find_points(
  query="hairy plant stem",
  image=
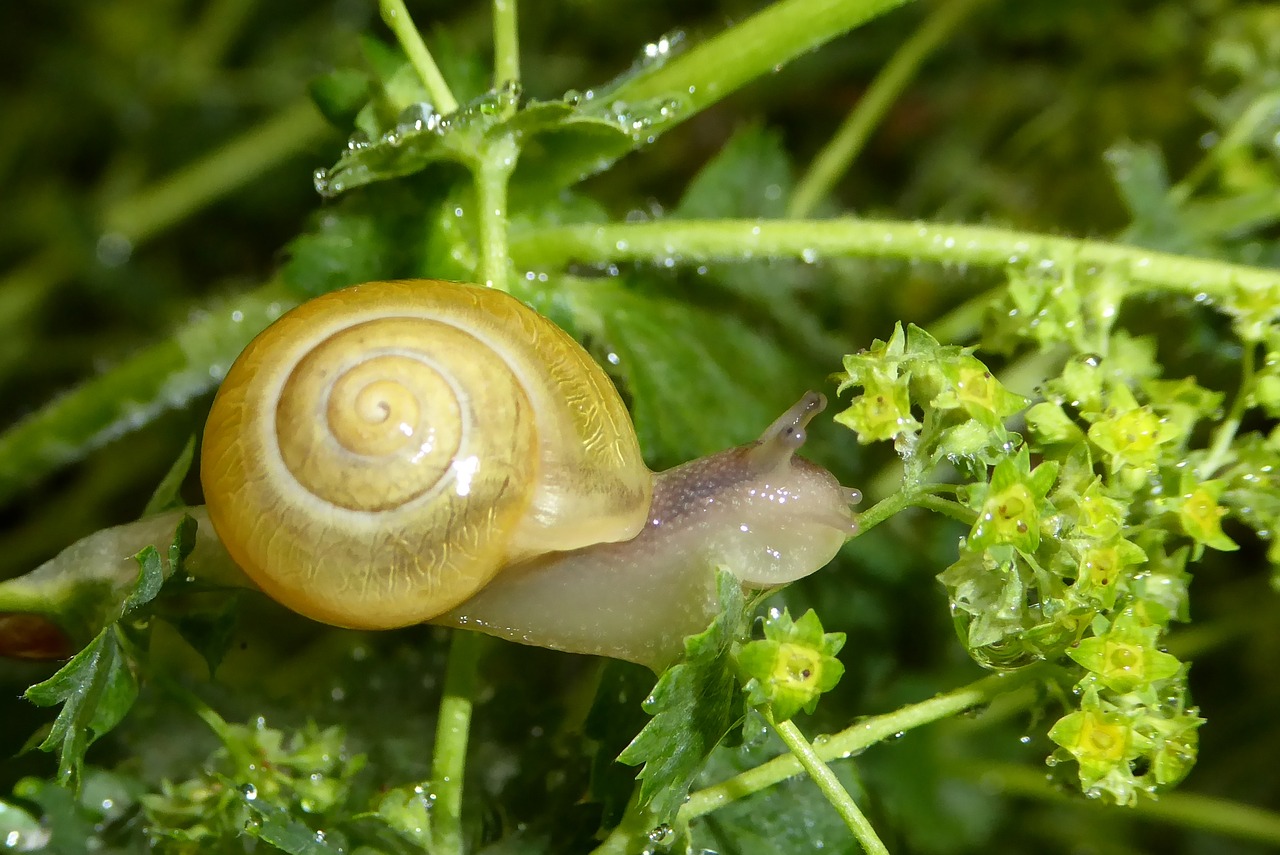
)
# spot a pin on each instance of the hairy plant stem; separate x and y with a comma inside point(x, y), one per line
point(836, 156)
point(734, 57)
point(166, 202)
point(492, 173)
point(506, 43)
point(718, 67)
point(453, 728)
point(702, 241)
point(232, 165)
point(858, 737)
point(829, 785)
point(156, 379)
point(396, 17)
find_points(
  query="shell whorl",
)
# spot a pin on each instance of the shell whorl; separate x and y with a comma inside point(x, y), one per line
point(379, 453)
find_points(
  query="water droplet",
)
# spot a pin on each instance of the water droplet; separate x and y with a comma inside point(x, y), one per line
point(417, 117)
point(660, 833)
point(113, 249)
point(249, 791)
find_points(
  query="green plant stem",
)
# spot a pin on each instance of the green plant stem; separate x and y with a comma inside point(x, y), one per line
point(449, 760)
point(767, 40)
point(857, 738)
point(900, 500)
point(157, 379)
point(396, 16)
point(946, 507)
point(506, 43)
point(214, 33)
point(1236, 136)
point(701, 241)
point(1226, 432)
point(836, 156)
point(720, 66)
point(492, 174)
point(154, 208)
point(1186, 810)
point(232, 165)
point(829, 785)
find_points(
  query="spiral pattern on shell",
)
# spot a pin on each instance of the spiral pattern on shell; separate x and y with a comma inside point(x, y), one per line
point(379, 453)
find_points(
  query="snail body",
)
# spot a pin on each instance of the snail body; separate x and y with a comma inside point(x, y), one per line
point(401, 452)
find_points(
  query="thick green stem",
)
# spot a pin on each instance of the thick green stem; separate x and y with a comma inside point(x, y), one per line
point(232, 165)
point(157, 379)
point(506, 43)
point(1186, 810)
point(829, 785)
point(718, 67)
point(701, 241)
point(767, 40)
point(397, 18)
point(492, 173)
point(835, 158)
point(453, 728)
point(860, 736)
point(168, 201)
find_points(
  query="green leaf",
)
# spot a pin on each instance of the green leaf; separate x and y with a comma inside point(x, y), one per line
point(364, 237)
point(275, 826)
point(695, 703)
point(152, 573)
point(150, 578)
point(698, 380)
point(749, 177)
point(96, 689)
point(69, 829)
point(1140, 174)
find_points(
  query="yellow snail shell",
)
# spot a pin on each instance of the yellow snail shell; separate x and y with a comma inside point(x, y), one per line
point(401, 452)
point(378, 454)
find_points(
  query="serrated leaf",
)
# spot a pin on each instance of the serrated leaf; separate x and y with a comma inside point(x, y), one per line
point(275, 826)
point(698, 380)
point(368, 236)
point(749, 177)
point(150, 578)
point(694, 705)
point(1140, 174)
point(407, 148)
point(96, 689)
point(151, 570)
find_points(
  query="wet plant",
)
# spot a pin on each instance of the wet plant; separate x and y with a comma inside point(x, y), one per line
point(1058, 436)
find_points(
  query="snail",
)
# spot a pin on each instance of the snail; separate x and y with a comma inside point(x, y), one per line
point(422, 451)
point(401, 452)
